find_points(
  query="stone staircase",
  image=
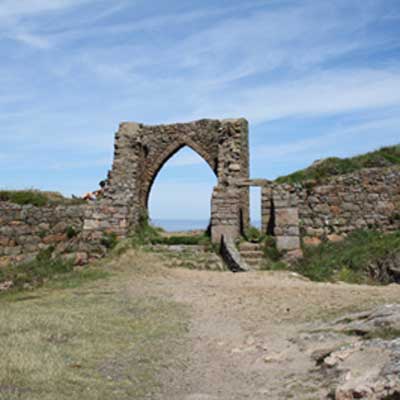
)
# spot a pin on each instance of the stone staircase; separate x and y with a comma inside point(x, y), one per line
point(252, 254)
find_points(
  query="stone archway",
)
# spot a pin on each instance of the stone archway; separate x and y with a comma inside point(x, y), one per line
point(141, 151)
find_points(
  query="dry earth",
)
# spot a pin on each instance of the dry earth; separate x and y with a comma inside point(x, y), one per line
point(251, 336)
point(255, 335)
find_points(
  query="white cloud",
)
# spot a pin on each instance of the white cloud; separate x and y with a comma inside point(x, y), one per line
point(335, 142)
point(40, 42)
point(324, 93)
point(19, 8)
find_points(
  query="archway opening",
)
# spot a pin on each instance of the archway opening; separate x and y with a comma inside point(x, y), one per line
point(180, 197)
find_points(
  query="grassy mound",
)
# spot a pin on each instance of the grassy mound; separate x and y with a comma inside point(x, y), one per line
point(360, 258)
point(36, 198)
point(384, 157)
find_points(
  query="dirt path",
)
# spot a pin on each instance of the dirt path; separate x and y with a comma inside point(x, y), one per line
point(248, 336)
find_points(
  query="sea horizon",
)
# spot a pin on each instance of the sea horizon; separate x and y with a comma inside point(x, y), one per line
point(176, 225)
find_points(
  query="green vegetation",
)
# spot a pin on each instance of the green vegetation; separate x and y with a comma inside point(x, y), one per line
point(109, 240)
point(36, 198)
point(71, 232)
point(102, 340)
point(348, 260)
point(201, 239)
point(46, 268)
point(146, 234)
point(253, 235)
point(384, 157)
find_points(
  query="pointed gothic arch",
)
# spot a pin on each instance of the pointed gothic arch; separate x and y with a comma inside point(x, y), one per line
point(141, 151)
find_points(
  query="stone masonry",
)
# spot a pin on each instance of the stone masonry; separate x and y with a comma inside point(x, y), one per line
point(141, 151)
point(313, 212)
point(309, 212)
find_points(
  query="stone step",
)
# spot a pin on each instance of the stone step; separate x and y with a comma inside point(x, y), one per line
point(253, 262)
point(251, 254)
point(246, 246)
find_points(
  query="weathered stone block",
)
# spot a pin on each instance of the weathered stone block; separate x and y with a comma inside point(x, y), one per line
point(287, 216)
point(288, 243)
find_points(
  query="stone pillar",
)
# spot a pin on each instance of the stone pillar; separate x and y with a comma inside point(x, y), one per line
point(287, 222)
point(123, 188)
point(233, 164)
point(225, 213)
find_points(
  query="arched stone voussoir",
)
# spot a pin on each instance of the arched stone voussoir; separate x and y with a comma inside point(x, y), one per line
point(141, 151)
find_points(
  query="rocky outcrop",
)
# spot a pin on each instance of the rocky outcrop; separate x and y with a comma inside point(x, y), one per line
point(369, 367)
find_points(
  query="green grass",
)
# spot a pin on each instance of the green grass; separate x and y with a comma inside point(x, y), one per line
point(146, 234)
point(46, 269)
point(201, 239)
point(102, 340)
point(253, 235)
point(384, 157)
point(348, 260)
point(37, 198)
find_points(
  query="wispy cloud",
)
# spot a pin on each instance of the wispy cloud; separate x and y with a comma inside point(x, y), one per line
point(334, 142)
point(72, 69)
point(19, 8)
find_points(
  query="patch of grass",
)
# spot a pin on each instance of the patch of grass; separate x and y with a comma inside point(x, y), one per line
point(145, 233)
point(271, 252)
point(35, 272)
point(37, 198)
point(45, 269)
point(384, 157)
point(253, 235)
point(349, 259)
point(102, 341)
point(201, 239)
point(109, 240)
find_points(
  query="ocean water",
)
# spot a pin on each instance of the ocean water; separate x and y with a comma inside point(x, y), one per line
point(175, 225)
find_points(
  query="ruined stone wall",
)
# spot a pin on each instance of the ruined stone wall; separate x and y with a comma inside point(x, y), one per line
point(141, 151)
point(367, 199)
point(75, 232)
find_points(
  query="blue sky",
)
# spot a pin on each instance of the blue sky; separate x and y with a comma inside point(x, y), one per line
point(314, 78)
